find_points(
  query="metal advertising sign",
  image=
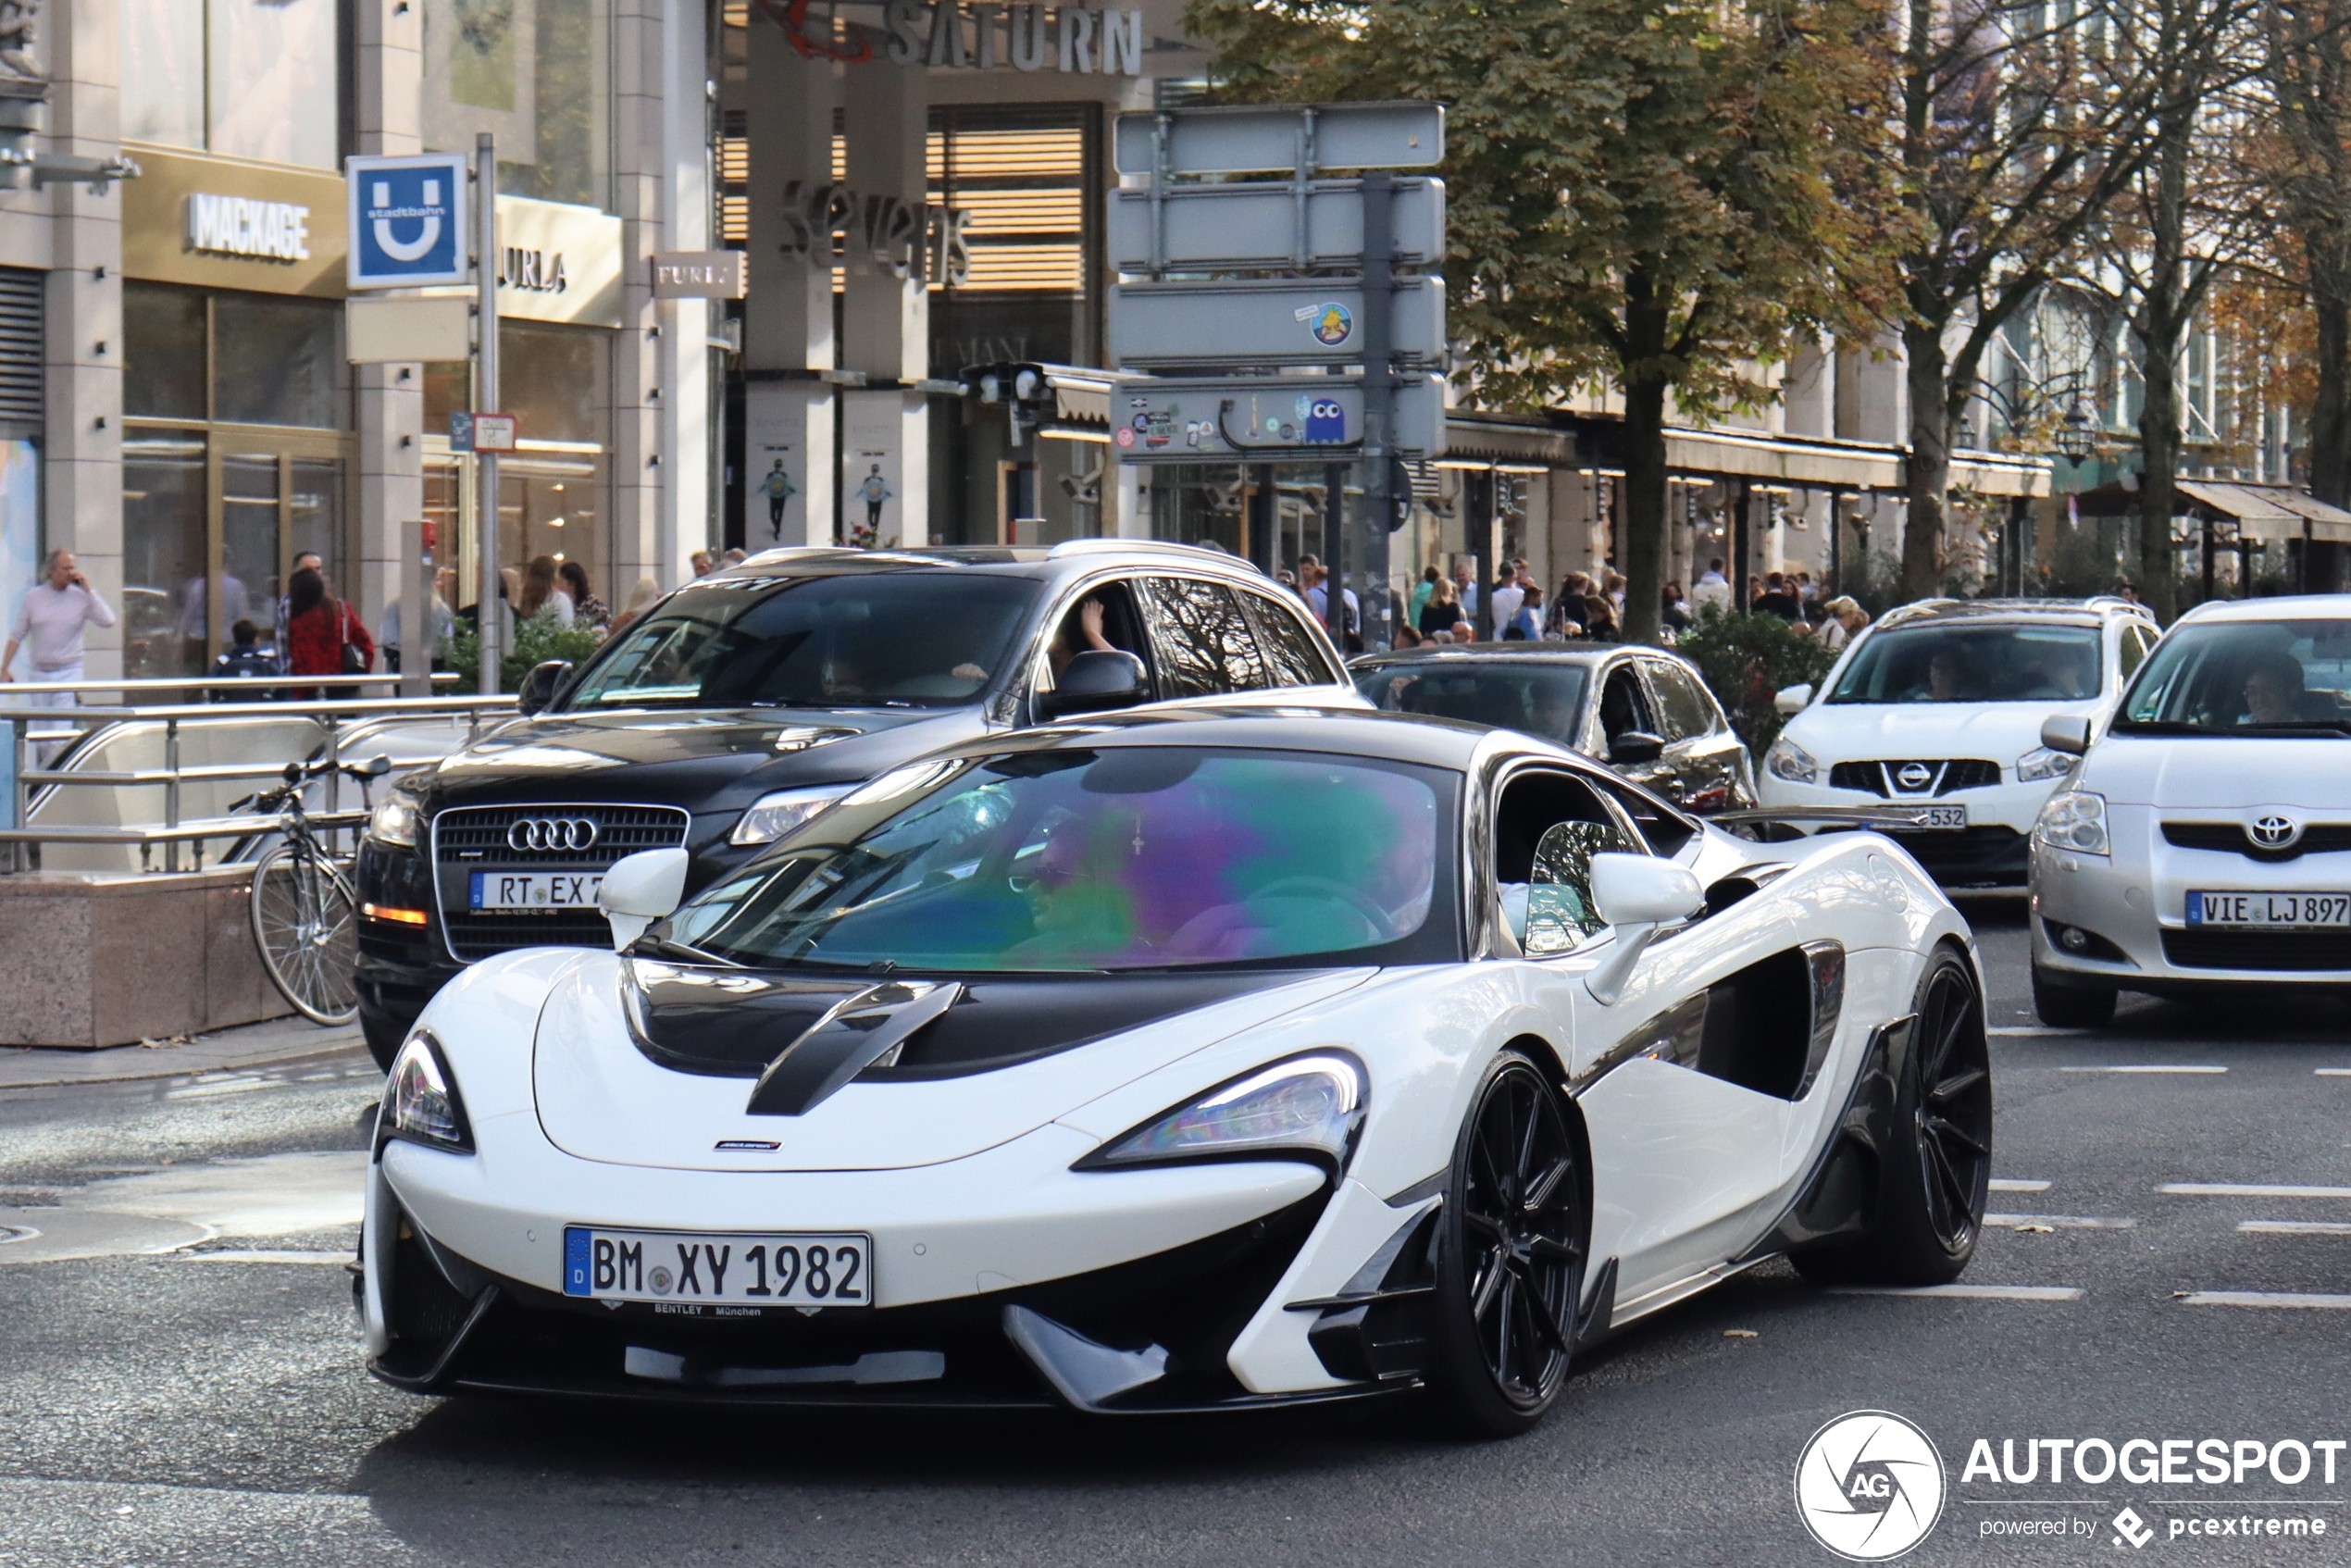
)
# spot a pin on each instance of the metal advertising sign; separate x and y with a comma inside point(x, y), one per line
point(1265, 418)
point(1196, 228)
point(1270, 321)
point(407, 220)
point(1253, 138)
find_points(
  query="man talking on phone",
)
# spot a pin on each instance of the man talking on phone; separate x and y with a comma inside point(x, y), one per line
point(49, 622)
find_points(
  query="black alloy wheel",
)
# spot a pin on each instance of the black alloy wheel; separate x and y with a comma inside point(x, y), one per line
point(1953, 1111)
point(1511, 1255)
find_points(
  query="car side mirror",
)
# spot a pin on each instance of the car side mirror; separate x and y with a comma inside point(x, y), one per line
point(1634, 747)
point(1792, 698)
point(2069, 733)
point(1096, 681)
point(375, 766)
point(641, 888)
point(1635, 894)
point(539, 687)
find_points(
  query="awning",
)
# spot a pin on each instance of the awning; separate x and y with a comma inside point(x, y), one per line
point(2271, 512)
point(2330, 525)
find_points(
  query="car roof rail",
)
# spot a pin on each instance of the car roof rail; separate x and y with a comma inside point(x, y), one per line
point(1915, 608)
point(1069, 547)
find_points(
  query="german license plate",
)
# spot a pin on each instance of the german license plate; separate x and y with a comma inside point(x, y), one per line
point(1941, 819)
point(536, 890)
point(2278, 911)
point(679, 1267)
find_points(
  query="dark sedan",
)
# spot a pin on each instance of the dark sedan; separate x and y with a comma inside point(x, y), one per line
point(1643, 711)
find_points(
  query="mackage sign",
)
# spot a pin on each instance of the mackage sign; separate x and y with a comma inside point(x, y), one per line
point(242, 226)
point(984, 37)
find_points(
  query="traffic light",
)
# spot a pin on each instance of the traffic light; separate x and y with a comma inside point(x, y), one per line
point(1025, 392)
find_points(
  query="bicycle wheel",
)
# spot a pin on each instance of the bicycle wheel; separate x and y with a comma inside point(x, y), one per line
point(305, 923)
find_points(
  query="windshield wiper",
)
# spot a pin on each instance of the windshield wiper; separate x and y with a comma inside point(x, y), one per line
point(2164, 726)
point(656, 947)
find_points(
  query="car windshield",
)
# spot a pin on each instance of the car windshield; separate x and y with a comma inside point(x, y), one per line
point(2244, 678)
point(895, 639)
point(1534, 698)
point(2016, 662)
point(1125, 858)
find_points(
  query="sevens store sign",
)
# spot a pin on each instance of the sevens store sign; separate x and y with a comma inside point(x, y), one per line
point(407, 220)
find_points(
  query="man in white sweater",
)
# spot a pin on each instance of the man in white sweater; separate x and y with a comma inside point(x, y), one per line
point(48, 626)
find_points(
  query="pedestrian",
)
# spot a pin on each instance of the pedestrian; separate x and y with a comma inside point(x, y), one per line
point(1430, 578)
point(1442, 611)
point(1676, 611)
point(1599, 620)
point(1614, 592)
point(1408, 635)
point(542, 597)
point(1527, 621)
point(50, 618)
point(700, 560)
point(1807, 592)
point(1845, 619)
point(641, 599)
point(439, 630)
point(323, 636)
point(778, 487)
point(586, 608)
point(1465, 591)
point(1714, 590)
point(734, 557)
point(1508, 596)
point(1777, 598)
point(1318, 598)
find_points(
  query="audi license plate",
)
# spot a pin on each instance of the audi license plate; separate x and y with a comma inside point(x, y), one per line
point(674, 1267)
point(536, 890)
point(2283, 912)
point(1941, 819)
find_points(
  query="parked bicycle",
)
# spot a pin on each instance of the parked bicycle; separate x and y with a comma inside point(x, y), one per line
point(306, 918)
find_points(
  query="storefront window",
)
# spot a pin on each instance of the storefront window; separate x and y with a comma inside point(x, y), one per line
point(275, 360)
point(251, 79)
point(163, 553)
point(163, 333)
point(537, 75)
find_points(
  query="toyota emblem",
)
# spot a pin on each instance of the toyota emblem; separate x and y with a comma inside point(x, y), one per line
point(2273, 830)
point(541, 834)
point(1915, 776)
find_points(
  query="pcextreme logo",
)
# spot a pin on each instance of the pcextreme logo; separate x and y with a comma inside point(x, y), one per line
point(1869, 1486)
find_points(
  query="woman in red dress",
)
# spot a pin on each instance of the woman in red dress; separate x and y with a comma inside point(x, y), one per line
point(318, 626)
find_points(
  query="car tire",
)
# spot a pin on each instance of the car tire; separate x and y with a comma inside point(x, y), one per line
point(2070, 1003)
point(1512, 1240)
point(384, 1033)
point(1928, 1211)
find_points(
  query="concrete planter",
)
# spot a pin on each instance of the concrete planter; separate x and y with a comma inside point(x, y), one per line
point(99, 960)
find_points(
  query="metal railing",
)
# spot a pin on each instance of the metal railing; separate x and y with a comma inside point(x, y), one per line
point(344, 721)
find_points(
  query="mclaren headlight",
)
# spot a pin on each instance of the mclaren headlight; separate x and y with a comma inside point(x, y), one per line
point(2074, 820)
point(1307, 1108)
point(396, 820)
point(772, 816)
point(2042, 762)
point(421, 1102)
point(1789, 761)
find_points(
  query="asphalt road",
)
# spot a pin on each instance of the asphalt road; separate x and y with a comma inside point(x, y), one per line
point(193, 1393)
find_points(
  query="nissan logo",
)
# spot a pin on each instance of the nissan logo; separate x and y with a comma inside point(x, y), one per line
point(2273, 830)
point(544, 833)
point(1915, 776)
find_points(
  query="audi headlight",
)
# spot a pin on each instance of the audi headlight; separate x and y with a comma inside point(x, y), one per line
point(2076, 820)
point(2042, 762)
point(396, 820)
point(421, 1102)
point(1789, 761)
point(772, 816)
point(1308, 1108)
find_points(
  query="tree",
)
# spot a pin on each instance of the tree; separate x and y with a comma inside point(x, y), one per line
point(1655, 193)
point(2308, 70)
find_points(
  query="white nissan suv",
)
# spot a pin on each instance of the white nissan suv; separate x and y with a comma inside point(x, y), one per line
point(1940, 704)
point(2205, 839)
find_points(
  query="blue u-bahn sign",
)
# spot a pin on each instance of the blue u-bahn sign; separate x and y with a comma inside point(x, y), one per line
point(407, 220)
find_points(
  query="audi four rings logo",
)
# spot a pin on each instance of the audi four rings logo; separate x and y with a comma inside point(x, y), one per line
point(543, 833)
point(2273, 830)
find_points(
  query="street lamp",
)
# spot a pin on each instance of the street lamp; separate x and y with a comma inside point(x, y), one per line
point(2075, 439)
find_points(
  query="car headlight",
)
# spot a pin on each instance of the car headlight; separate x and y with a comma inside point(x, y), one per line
point(396, 820)
point(421, 1102)
point(2042, 762)
point(2073, 819)
point(1307, 1108)
point(772, 816)
point(1789, 761)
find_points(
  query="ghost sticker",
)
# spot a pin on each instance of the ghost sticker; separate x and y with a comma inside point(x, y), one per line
point(1325, 422)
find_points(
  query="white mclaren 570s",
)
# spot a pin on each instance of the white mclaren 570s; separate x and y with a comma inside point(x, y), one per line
point(1175, 1062)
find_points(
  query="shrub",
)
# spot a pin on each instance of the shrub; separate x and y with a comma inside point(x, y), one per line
point(538, 640)
point(1746, 659)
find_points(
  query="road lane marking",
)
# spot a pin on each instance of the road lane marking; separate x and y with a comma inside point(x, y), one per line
point(2296, 1227)
point(2247, 1189)
point(1970, 1292)
point(264, 1255)
point(2033, 1031)
point(2059, 1222)
point(2265, 1298)
point(2010, 1184)
point(2333, 1072)
point(2201, 1071)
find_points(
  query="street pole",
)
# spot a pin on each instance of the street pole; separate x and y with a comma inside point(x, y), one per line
point(1334, 546)
point(489, 613)
point(1379, 404)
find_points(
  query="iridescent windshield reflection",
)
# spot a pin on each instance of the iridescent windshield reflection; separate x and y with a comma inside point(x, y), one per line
point(1120, 859)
